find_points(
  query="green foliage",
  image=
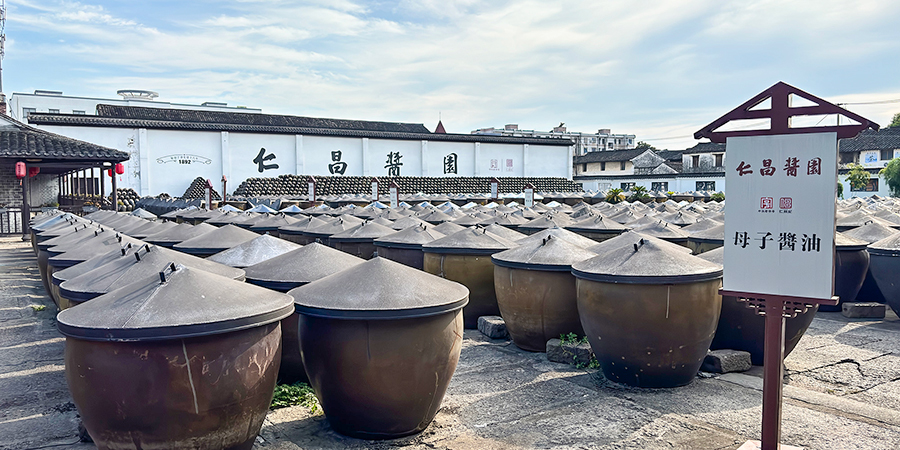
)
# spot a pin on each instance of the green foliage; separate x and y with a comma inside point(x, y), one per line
point(891, 175)
point(840, 191)
point(574, 339)
point(858, 177)
point(895, 122)
point(37, 308)
point(615, 195)
point(717, 197)
point(293, 395)
point(638, 193)
point(641, 145)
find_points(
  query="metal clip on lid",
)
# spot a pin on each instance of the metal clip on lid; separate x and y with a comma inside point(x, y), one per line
point(167, 272)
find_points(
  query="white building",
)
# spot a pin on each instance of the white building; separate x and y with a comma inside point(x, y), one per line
point(54, 102)
point(170, 147)
point(585, 143)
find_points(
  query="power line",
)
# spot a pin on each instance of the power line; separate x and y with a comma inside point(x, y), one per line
point(878, 102)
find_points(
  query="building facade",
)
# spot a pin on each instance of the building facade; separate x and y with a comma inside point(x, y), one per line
point(171, 147)
point(602, 140)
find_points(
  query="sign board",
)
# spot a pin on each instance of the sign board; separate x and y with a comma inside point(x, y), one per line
point(779, 230)
point(395, 196)
point(374, 189)
point(529, 196)
point(871, 159)
point(312, 189)
point(209, 195)
point(495, 189)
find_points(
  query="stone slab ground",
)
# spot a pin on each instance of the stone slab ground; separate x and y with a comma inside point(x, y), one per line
point(843, 392)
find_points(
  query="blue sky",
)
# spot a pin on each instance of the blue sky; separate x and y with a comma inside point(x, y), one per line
point(658, 69)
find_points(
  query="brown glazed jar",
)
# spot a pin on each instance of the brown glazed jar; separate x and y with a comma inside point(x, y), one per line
point(405, 246)
point(740, 328)
point(288, 271)
point(649, 312)
point(464, 257)
point(177, 360)
point(851, 263)
point(380, 342)
point(536, 291)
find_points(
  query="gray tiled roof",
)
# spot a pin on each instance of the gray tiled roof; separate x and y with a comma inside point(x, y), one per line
point(706, 147)
point(267, 123)
point(18, 140)
point(883, 139)
point(609, 156)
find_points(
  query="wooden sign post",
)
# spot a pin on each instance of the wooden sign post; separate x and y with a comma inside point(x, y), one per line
point(779, 228)
point(395, 195)
point(529, 195)
point(374, 189)
point(311, 190)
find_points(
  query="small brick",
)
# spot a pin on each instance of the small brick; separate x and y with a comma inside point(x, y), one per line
point(724, 361)
point(569, 353)
point(493, 327)
point(870, 310)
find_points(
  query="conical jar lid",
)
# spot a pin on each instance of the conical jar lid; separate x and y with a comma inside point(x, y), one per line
point(411, 238)
point(844, 243)
point(504, 232)
point(701, 224)
point(179, 233)
point(871, 232)
point(548, 220)
point(298, 267)
point(343, 223)
point(435, 216)
point(597, 224)
point(70, 234)
point(646, 262)
point(100, 260)
point(379, 289)
point(448, 228)
point(150, 228)
point(715, 234)
point(407, 222)
point(550, 253)
point(561, 233)
point(302, 225)
point(631, 237)
point(173, 302)
point(471, 241)
point(215, 241)
point(889, 246)
point(123, 271)
point(254, 251)
point(89, 249)
point(715, 256)
point(365, 232)
point(663, 230)
point(273, 222)
point(468, 220)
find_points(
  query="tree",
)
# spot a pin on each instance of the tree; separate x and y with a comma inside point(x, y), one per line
point(840, 190)
point(895, 122)
point(638, 193)
point(641, 145)
point(891, 174)
point(858, 177)
point(615, 195)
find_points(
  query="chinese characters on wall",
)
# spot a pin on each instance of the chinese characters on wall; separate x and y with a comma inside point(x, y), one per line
point(337, 166)
point(393, 164)
point(786, 241)
point(791, 165)
point(450, 163)
point(260, 161)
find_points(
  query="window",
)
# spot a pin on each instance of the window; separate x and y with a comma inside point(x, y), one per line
point(706, 185)
point(871, 186)
point(584, 167)
point(847, 158)
point(603, 166)
point(610, 145)
point(887, 155)
point(53, 111)
point(659, 186)
point(695, 161)
point(26, 112)
point(627, 186)
point(719, 158)
point(622, 165)
point(78, 112)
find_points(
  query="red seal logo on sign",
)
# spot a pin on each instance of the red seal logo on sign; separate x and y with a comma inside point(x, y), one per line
point(766, 203)
point(785, 203)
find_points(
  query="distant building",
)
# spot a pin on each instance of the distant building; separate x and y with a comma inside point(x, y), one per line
point(54, 102)
point(873, 150)
point(602, 140)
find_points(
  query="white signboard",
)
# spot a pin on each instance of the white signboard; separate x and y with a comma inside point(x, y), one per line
point(779, 227)
point(495, 188)
point(209, 195)
point(395, 197)
point(375, 191)
point(311, 190)
point(529, 197)
point(870, 158)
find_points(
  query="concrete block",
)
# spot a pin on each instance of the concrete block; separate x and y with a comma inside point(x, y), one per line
point(869, 310)
point(569, 353)
point(724, 361)
point(493, 327)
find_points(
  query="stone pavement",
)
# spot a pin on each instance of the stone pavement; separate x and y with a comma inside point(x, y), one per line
point(843, 392)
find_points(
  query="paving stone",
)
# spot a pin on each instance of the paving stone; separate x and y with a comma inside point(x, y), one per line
point(569, 353)
point(493, 327)
point(724, 361)
point(868, 310)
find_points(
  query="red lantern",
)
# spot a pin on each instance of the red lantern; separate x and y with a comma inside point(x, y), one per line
point(33, 171)
point(20, 170)
point(110, 173)
point(120, 169)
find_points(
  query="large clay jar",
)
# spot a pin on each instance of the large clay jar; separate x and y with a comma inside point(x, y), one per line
point(59, 236)
point(359, 241)
point(67, 255)
point(272, 223)
point(597, 227)
point(291, 270)
point(215, 241)
point(177, 360)
point(741, 328)
point(705, 240)
point(178, 234)
point(60, 276)
point(649, 312)
point(870, 231)
point(405, 246)
point(380, 342)
point(884, 266)
point(851, 263)
point(536, 290)
point(294, 232)
point(253, 251)
point(465, 257)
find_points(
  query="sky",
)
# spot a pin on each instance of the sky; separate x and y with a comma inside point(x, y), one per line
point(658, 69)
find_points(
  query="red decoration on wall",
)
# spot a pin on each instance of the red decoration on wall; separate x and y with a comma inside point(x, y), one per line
point(33, 171)
point(120, 169)
point(20, 170)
